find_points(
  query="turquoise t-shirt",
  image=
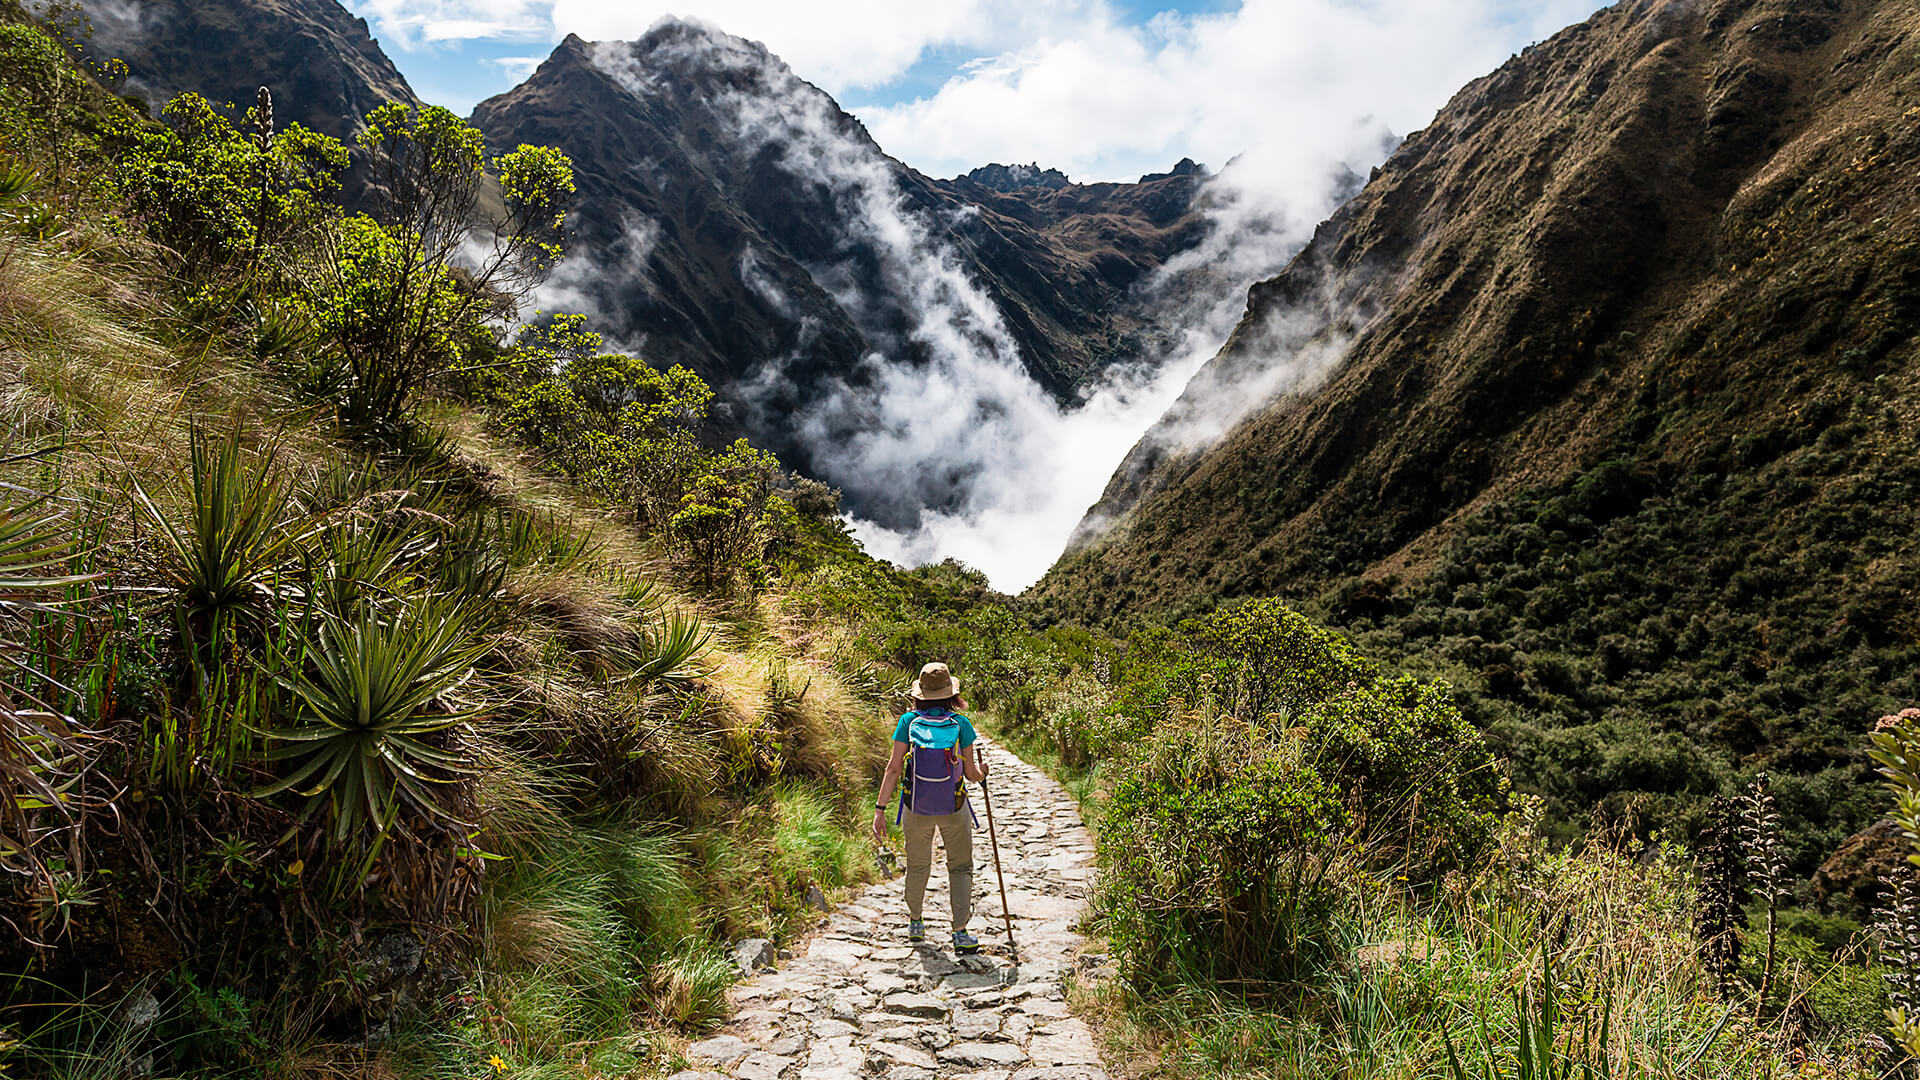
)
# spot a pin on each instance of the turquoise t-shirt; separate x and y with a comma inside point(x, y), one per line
point(966, 727)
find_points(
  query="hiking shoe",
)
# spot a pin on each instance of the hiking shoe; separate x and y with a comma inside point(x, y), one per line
point(964, 942)
point(916, 930)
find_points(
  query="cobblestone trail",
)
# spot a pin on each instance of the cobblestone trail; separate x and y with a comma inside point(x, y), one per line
point(863, 1004)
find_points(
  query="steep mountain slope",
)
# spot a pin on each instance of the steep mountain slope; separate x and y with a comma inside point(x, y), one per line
point(733, 219)
point(1600, 399)
point(323, 66)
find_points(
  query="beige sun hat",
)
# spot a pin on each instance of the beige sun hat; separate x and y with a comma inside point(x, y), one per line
point(935, 683)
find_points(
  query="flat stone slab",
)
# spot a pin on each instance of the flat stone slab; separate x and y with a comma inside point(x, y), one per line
point(720, 1050)
point(903, 1054)
point(923, 1005)
point(761, 1065)
point(983, 1053)
point(1064, 1048)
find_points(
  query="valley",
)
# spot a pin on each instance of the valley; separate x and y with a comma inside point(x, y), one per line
point(458, 574)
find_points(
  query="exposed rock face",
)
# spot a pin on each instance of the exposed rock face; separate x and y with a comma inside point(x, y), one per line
point(733, 219)
point(324, 68)
point(1850, 880)
point(1011, 178)
point(1185, 167)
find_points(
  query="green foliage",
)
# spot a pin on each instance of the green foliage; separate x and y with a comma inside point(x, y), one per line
point(361, 714)
point(391, 320)
point(1219, 845)
point(1896, 747)
point(215, 197)
point(416, 293)
point(623, 429)
point(1637, 641)
point(629, 433)
point(241, 527)
point(44, 754)
point(1263, 659)
point(814, 839)
point(1266, 761)
point(721, 517)
point(367, 697)
point(52, 116)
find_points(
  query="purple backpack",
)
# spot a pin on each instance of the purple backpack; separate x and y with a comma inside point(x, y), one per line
point(933, 765)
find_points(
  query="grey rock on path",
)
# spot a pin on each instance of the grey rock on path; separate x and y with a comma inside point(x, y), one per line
point(862, 1003)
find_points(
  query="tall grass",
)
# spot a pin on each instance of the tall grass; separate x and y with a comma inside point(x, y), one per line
point(1541, 965)
point(816, 840)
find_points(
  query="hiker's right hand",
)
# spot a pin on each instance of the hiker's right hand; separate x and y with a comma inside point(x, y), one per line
point(879, 826)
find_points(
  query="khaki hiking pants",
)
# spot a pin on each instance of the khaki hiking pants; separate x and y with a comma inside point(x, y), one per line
point(956, 832)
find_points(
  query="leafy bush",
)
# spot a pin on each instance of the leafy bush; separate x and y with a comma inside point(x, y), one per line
point(1276, 760)
point(216, 197)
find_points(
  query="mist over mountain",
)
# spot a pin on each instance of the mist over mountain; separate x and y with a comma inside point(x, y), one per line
point(733, 219)
point(1598, 396)
point(966, 358)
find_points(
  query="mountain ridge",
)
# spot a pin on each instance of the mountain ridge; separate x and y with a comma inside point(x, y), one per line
point(734, 219)
point(321, 61)
point(1598, 402)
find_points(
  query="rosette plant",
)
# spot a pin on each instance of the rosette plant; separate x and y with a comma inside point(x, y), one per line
point(371, 708)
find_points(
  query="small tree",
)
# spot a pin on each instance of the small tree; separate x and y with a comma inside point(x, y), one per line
point(413, 298)
point(625, 430)
point(721, 517)
point(217, 197)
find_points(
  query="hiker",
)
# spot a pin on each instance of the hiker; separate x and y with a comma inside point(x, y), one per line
point(939, 742)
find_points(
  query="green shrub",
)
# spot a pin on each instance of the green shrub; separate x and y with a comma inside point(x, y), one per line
point(1219, 839)
point(1255, 760)
point(215, 196)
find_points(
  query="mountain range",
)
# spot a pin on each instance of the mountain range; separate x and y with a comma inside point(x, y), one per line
point(1598, 399)
point(732, 218)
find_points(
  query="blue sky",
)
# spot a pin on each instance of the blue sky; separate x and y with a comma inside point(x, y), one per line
point(1104, 89)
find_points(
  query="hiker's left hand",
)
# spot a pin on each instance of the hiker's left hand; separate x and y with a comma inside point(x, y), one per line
point(880, 826)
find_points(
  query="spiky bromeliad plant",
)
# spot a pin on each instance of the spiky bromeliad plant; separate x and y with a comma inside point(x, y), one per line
point(367, 698)
point(241, 530)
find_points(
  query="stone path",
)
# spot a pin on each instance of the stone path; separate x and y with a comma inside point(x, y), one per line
point(863, 1004)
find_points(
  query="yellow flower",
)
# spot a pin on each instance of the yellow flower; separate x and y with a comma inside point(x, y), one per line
point(498, 1064)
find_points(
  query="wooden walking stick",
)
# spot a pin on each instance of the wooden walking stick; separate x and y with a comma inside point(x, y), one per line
point(993, 838)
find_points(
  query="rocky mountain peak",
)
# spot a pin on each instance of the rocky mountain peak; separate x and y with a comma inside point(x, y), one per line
point(733, 218)
point(1186, 167)
point(1010, 178)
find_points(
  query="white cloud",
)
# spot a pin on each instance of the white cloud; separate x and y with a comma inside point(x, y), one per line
point(409, 24)
point(840, 44)
point(518, 67)
point(1106, 100)
point(1073, 84)
point(1291, 91)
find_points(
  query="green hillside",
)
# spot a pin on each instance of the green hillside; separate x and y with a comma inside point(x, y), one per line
point(398, 686)
point(1620, 435)
point(328, 691)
